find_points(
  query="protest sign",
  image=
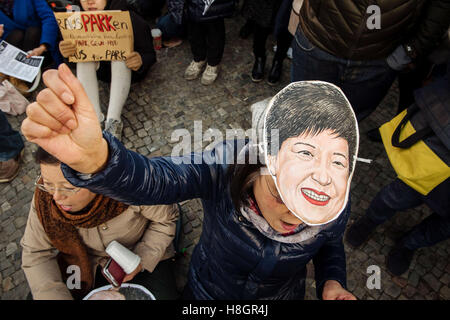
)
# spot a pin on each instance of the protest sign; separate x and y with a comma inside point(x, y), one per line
point(98, 35)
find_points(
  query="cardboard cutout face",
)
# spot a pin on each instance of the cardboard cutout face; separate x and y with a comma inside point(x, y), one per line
point(311, 142)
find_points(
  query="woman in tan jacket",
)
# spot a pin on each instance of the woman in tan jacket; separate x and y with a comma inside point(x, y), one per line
point(69, 226)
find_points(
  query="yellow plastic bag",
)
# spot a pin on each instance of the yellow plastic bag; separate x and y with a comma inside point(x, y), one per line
point(417, 166)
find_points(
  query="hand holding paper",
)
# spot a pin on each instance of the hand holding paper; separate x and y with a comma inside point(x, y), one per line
point(134, 61)
point(39, 51)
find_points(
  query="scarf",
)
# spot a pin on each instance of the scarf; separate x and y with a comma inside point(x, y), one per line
point(302, 234)
point(61, 228)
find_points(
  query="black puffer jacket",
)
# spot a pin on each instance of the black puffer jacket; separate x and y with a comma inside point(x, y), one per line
point(196, 9)
point(340, 26)
point(233, 259)
point(261, 11)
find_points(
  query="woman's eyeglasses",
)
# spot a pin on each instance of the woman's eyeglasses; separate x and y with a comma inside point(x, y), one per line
point(52, 190)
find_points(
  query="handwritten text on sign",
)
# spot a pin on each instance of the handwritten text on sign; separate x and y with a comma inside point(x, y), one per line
point(98, 35)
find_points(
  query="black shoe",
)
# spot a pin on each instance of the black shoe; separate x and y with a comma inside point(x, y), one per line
point(374, 135)
point(275, 72)
point(246, 30)
point(399, 259)
point(360, 231)
point(258, 69)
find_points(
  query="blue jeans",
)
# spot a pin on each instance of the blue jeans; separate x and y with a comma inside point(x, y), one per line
point(10, 141)
point(169, 28)
point(398, 196)
point(365, 83)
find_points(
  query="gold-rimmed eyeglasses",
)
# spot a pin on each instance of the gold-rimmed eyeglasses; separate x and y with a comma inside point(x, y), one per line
point(52, 190)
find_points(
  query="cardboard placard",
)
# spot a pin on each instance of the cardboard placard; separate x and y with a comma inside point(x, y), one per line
point(98, 35)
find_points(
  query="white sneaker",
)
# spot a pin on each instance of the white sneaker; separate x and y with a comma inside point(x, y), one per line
point(193, 70)
point(114, 127)
point(210, 74)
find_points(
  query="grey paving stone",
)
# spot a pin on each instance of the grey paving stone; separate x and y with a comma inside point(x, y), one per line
point(392, 290)
point(413, 278)
point(409, 291)
point(7, 284)
point(445, 293)
point(11, 248)
point(432, 281)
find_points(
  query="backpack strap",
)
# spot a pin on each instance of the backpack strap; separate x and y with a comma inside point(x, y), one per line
point(412, 139)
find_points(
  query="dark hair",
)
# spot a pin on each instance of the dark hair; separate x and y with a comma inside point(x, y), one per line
point(310, 107)
point(43, 157)
point(241, 178)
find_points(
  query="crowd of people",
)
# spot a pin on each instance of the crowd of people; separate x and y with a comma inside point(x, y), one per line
point(260, 228)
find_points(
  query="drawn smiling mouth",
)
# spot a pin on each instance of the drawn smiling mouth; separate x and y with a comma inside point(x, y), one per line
point(315, 197)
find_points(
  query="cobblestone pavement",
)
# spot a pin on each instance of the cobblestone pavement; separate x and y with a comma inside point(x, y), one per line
point(165, 101)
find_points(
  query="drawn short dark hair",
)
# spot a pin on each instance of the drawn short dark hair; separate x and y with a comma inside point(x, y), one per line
point(311, 107)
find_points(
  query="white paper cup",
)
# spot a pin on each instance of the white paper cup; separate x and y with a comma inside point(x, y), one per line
point(157, 38)
point(156, 33)
point(127, 259)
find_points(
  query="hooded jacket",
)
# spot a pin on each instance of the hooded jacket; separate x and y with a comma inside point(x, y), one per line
point(233, 259)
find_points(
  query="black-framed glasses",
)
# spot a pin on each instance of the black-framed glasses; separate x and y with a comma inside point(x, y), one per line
point(52, 190)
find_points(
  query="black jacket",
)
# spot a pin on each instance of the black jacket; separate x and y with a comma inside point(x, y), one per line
point(233, 259)
point(196, 9)
point(340, 26)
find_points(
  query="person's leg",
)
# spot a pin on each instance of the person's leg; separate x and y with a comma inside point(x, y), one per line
point(259, 51)
point(215, 39)
point(408, 82)
point(10, 140)
point(161, 282)
point(169, 28)
point(247, 29)
point(87, 74)
point(284, 41)
point(197, 40)
point(366, 83)
point(11, 145)
point(15, 38)
point(120, 87)
point(312, 63)
point(31, 38)
point(394, 197)
point(430, 231)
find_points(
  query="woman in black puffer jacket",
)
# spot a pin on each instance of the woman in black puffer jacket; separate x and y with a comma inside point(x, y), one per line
point(206, 34)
